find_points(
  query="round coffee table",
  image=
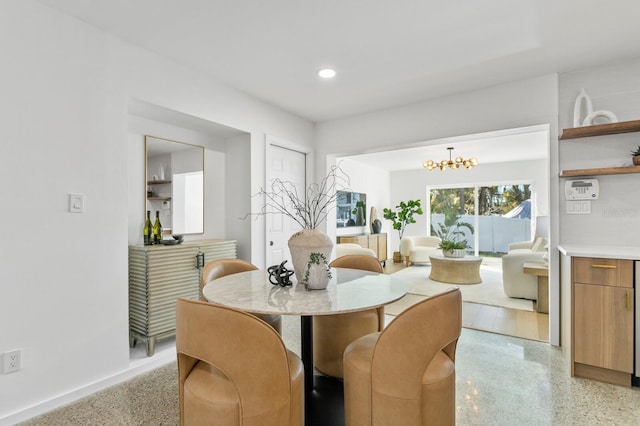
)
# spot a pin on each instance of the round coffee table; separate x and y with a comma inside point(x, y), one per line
point(455, 270)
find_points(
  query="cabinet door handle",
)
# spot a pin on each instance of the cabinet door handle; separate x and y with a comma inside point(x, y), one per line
point(603, 266)
point(628, 297)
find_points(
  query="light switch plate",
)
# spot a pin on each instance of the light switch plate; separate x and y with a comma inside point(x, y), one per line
point(578, 207)
point(76, 203)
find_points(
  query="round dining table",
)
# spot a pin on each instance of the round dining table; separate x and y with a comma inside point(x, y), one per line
point(349, 290)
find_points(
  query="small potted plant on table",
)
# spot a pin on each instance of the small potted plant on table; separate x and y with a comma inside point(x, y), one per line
point(317, 273)
point(450, 232)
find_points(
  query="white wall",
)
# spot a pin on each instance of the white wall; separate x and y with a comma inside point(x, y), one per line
point(615, 214)
point(518, 104)
point(65, 91)
point(237, 165)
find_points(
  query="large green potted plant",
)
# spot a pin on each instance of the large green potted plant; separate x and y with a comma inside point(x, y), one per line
point(451, 234)
point(400, 218)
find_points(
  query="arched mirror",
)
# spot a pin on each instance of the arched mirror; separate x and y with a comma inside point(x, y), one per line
point(175, 184)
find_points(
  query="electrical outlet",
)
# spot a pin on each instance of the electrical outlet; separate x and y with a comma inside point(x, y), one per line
point(12, 361)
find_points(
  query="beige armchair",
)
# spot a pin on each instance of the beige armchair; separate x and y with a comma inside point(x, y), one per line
point(332, 333)
point(222, 267)
point(405, 375)
point(514, 281)
point(234, 369)
point(417, 249)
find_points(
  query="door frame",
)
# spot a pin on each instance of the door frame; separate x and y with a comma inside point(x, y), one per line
point(274, 141)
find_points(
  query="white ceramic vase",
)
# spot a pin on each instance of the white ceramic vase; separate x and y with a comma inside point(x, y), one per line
point(318, 277)
point(305, 242)
point(373, 215)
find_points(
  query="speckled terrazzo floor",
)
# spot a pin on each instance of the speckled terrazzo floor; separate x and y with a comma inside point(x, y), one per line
point(500, 381)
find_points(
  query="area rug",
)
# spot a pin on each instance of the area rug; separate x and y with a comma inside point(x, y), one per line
point(489, 292)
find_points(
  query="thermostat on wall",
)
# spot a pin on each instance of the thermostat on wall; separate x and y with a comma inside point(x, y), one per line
point(584, 189)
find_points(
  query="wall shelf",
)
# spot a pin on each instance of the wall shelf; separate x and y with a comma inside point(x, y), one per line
point(600, 171)
point(601, 130)
point(158, 198)
point(157, 182)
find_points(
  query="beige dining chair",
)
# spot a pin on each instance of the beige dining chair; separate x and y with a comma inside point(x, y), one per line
point(405, 375)
point(222, 267)
point(332, 333)
point(234, 369)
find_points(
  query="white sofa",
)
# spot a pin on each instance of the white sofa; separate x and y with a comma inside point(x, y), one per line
point(343, 249)
point(514, 281)
point(417, 249)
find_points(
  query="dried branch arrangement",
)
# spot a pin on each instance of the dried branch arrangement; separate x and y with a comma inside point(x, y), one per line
point(310, 208)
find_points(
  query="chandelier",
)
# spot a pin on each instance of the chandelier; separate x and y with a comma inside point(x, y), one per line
point(452, 164)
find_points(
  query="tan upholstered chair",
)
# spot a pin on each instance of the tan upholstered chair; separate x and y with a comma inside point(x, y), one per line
point(234, 369)
point(222, 267)
point(405, 375)
point(332, 333)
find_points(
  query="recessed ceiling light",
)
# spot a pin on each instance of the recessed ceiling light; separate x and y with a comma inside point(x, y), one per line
point(327, 73)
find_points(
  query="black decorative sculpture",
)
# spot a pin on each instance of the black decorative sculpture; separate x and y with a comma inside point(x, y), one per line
point(279, 275)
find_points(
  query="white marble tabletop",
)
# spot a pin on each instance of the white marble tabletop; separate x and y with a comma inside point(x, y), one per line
point(349, 290)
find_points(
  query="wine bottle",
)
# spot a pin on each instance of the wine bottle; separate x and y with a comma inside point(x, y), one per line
point(148, 230)
point(157, 229)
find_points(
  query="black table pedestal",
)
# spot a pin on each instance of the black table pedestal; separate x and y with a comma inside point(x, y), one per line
point(324, 396)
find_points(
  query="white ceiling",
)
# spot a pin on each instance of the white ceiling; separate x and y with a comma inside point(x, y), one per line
point(386, 53)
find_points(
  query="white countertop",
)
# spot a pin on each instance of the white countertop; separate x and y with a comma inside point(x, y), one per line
point(606, 252)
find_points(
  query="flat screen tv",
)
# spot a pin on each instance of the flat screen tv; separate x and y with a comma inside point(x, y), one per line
point(351, 209)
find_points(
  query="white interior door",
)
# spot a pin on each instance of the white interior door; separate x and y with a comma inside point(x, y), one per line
point(286, 165)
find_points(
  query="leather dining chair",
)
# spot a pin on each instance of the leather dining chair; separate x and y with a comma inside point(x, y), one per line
point(222, 267)
point(332, 333)
point(234, 369)
point(405, 375)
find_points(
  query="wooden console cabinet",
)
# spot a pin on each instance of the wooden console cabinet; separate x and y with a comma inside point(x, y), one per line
point(603, 319)
point(375, 242)
point(158, 275)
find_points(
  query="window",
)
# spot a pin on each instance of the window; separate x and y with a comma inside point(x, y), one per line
point(500, 214)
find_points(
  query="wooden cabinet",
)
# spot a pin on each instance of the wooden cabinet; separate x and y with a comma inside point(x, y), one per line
point(375, 242)
point(603, 319)
point(158, 275)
